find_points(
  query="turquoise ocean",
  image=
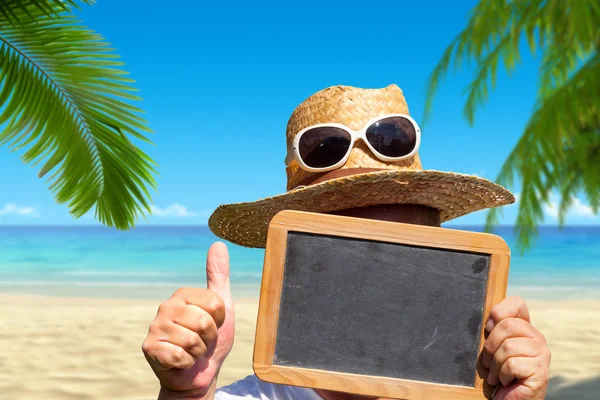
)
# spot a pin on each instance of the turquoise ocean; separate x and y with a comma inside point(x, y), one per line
point(150, 262)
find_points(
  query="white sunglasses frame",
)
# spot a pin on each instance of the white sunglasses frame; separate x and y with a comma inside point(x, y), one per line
point(294, 153)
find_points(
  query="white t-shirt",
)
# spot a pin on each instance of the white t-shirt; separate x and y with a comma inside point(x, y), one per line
point(253, 388)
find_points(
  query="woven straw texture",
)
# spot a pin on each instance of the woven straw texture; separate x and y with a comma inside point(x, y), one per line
point(353, 107)
point(403, 182)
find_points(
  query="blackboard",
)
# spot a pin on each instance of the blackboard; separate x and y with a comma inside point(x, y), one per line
point(377, 308)
point(384, 309)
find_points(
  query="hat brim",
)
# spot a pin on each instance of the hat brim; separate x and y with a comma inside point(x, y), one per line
point(453, 194)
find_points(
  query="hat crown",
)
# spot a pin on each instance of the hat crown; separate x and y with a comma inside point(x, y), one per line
point(353, 107)
point(364, 180)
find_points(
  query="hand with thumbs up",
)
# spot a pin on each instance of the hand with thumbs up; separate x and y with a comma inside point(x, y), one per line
point(192, 334)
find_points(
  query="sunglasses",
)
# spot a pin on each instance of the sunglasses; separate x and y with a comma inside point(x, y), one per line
point(324, 147)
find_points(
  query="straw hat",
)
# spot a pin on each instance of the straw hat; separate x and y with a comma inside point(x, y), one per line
point(363, 181)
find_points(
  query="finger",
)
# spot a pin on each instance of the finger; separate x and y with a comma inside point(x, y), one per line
point(208, 300)
point(513, 347)
point(187, 339)
point(517, 368)
point(200, 321)
point(510, 307)
point(507, 328)
point(163, 356)
point(217, 272)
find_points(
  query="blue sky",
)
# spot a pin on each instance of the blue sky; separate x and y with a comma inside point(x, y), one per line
point(220, 80)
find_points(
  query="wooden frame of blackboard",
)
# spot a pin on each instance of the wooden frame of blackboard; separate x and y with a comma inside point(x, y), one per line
point(390, 232)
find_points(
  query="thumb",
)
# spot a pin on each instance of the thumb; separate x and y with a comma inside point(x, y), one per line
point(217, 272)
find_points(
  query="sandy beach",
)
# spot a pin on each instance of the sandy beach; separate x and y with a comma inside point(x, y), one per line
point(89, 348)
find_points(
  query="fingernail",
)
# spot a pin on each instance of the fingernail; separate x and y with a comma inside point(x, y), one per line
point(491, 380)
point(489, 325)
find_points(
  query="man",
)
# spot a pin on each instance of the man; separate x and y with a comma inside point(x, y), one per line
point(351, 152)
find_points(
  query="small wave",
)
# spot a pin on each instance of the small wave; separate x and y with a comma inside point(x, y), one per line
point(554, 288)
point(89, 284)
point(119, 273)
point(246, 274)
point(152, 274)
point(551, 288)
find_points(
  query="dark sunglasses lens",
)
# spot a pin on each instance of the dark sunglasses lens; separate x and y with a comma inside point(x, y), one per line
point(393, 137)
point(323, 147)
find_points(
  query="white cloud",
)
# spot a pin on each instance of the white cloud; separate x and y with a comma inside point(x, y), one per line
point(577, 209)
point(174, 210)
point(581, 209)
point(13, 209)
point(551, 209)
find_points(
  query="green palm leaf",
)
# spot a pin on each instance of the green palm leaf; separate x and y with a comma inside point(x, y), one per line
point(14, 11)
point(559, 149)
point(65, 101)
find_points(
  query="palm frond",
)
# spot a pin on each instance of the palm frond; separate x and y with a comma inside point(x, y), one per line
point(568, 35)
point(488, 38)
point(65, 100)
point(557, 151)
point(13, 11)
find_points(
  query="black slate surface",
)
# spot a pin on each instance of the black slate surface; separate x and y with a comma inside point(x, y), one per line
point(381, 309)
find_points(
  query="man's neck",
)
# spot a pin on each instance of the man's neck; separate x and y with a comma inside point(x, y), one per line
point(405, 213)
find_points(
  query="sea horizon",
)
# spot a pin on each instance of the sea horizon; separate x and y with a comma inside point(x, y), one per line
point(150, 261)
point(154, 225)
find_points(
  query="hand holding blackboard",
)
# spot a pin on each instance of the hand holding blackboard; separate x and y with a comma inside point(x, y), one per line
point(376, 308)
